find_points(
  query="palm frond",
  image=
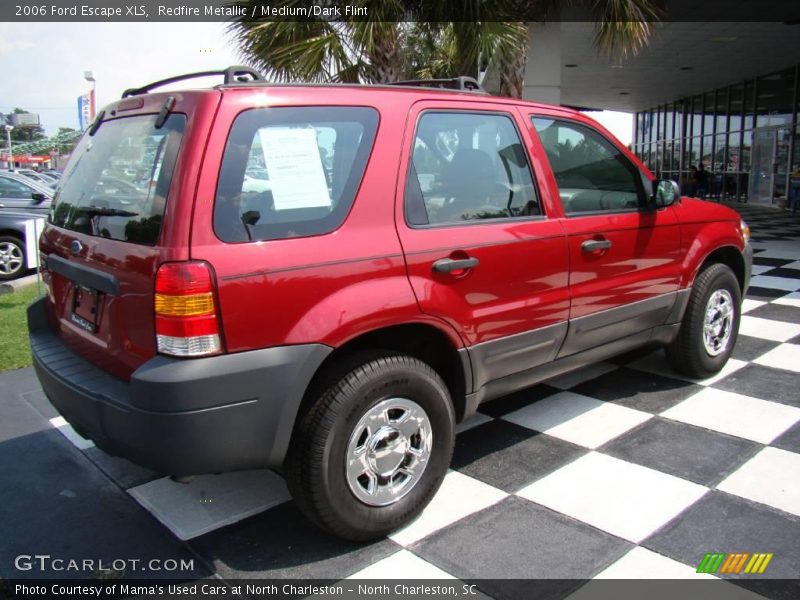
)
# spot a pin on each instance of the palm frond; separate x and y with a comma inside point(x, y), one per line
point(624, 27)
point(309, 50)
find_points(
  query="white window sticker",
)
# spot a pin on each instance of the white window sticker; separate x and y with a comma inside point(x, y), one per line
point(295, 169)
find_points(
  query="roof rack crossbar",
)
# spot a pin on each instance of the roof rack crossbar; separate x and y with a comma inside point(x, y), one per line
point(468, 84)
point(234, 74)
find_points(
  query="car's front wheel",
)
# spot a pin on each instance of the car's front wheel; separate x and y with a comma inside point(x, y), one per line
point(12, 257)
point(371, 451)
point(710, 325)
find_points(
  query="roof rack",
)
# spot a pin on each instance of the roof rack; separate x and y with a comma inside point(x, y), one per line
point(467, 84)
point(234, 74)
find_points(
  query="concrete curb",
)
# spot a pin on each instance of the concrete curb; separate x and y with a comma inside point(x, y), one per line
point(9, 287)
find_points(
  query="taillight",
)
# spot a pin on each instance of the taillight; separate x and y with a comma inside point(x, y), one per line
point(186, 316)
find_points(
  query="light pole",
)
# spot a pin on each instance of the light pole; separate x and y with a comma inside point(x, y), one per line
point(89, 76)
point(9, 128)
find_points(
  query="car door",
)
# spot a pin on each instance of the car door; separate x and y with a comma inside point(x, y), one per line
point(16, 195)
point(624, 254)
point(481, 252)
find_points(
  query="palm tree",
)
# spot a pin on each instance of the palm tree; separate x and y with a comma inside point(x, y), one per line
point(385, 48)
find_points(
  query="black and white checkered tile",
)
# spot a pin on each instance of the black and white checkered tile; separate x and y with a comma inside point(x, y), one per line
point(622, 470)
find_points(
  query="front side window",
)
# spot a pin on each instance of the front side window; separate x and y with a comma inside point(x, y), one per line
point(117, 182)
point(466, 167)
point(291, 171)
point(592, 174)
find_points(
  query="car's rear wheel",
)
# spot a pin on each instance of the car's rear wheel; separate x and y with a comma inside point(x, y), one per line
point(373, 448)
point(12, 257)
point(710, 325)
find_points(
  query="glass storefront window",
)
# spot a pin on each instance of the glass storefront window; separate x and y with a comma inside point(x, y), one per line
point(639, 130)
point(747, 141)
point(668, 122)
point(658, 159)
point(796, 149)
point(708, 114)
point(720, 153)
point(748, 119)
point(697, 115)
point(679, 115)
point(688, 155)
point(721, 110)
point(676, 155)
point(706, 155)
point(774, 99)
point(736, 106)
point(657, 124)
point(734, 152)
point(781, 167)
point(725, 130)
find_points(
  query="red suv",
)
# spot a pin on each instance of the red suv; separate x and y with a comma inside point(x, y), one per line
point(326, 279)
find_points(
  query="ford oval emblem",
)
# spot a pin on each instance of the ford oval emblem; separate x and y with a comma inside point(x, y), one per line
point(76, 246)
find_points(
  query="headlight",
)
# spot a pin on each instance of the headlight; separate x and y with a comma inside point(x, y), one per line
point(745, 228)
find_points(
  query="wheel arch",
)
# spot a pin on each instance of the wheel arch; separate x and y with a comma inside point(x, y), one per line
point(421, 340)
point(13, 233)
point(726, 255)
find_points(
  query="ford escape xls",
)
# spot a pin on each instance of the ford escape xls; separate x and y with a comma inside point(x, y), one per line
point(324, 280)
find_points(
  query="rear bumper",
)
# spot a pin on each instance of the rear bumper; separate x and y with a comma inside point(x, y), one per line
point(180, 416)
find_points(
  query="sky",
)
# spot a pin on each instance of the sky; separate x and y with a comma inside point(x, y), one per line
point(43, 64)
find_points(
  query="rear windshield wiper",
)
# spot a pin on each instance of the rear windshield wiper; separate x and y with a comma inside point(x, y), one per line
point(102, 211)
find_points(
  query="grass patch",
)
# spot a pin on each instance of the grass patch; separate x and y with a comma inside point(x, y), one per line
point(15, 350)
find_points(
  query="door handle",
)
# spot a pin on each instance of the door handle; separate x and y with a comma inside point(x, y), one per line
point(595, 245)
point(446, 265)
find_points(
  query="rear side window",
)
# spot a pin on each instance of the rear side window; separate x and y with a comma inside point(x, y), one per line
point(592, 174)
point(291, 171)
point(467, 167)
point(116, 187)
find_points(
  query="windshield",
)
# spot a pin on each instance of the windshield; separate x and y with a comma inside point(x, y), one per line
point(117, 182)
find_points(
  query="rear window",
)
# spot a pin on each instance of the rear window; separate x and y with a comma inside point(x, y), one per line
point(291, 171)
point(116, 186)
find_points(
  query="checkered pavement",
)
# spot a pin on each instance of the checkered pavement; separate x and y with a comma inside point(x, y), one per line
point(624, 469)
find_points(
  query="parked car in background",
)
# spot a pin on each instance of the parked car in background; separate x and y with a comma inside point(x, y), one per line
point(256, 180)
point(13, 244)
point(51, 181)
point(117, 187)
point(39, 178)
point(19, 193)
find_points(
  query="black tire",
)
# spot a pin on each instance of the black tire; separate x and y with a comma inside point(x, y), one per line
point(12, 249)
point(688, 353)
point(315, 464)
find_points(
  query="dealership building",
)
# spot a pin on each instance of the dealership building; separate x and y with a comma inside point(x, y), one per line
point(724, 94)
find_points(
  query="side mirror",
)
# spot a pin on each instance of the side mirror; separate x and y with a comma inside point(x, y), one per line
point(38, 197)
point(666, 192)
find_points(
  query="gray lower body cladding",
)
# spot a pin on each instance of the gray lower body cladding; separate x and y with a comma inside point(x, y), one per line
point(181, 416)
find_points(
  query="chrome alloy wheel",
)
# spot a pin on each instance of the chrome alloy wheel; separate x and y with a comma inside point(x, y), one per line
point(10, 258)
point(388, 451)
point(718, 322)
